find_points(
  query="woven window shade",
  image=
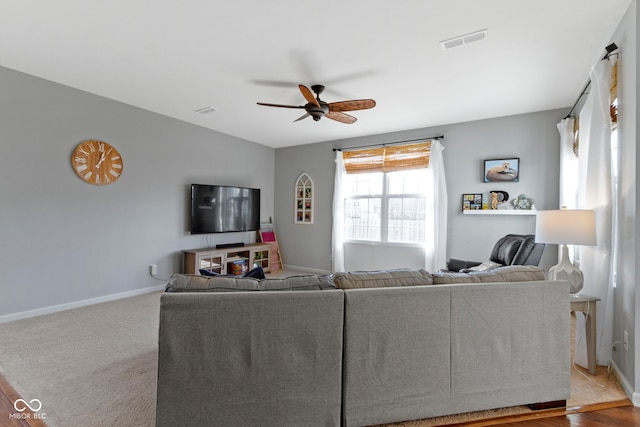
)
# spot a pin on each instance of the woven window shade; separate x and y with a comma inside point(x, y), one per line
point(613, 94)
point(388, 159)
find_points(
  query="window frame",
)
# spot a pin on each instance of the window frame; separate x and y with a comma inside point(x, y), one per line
point(384, 197)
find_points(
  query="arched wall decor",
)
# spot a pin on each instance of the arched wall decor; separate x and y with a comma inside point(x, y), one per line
point(303, 209)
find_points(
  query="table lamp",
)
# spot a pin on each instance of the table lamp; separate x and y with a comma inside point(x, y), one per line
point(566, 227)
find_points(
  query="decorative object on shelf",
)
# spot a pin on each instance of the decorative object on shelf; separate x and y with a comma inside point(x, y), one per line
point(566, 227)
point(503, 196)
point(96, 162)
point(502, 170)
point(303, 211)
point(471, 202)
point(523, 202)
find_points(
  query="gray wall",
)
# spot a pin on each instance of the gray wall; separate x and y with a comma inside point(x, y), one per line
point(626, 298)
point(531, 137)
point(62, 240)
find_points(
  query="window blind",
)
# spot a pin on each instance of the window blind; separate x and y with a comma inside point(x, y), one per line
point(388, 159)
point(613, 96)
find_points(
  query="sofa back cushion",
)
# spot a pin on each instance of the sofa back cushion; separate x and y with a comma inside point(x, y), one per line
point(511, 273)
point(382, 278)
point(507, 273)
point(196, 283)
point(447, 278)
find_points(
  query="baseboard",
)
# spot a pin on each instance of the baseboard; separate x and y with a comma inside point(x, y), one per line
point(626, 386)
point(305, 269)
point(77, 304)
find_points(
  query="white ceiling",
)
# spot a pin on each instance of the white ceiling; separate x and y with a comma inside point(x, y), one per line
point(174, 57)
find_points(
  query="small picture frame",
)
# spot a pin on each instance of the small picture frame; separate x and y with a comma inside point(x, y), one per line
point(472, 201)
point(502, 170)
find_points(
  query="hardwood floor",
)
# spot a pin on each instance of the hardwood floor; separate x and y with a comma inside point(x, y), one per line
point(9, 416)
point(618, 413)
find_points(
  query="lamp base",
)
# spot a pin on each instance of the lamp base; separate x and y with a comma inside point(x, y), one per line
point(565, 270)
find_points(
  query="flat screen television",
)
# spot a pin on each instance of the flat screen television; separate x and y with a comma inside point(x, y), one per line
point(224, 209)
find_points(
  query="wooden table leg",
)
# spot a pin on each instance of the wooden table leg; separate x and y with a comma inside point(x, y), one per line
point(590, 329)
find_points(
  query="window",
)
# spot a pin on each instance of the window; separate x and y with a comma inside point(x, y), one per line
point(387, 207)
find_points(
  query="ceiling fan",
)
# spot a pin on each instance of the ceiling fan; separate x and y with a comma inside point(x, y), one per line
point(317, 108)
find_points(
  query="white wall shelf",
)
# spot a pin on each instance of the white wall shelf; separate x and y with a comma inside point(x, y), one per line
point(499, 212)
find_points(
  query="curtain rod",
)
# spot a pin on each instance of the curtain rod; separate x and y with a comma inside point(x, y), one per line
point(575, 104)
point(609, 53)
point(384, 144)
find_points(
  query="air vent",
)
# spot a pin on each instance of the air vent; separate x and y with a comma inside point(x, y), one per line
point(463, 40)
point(206, 110)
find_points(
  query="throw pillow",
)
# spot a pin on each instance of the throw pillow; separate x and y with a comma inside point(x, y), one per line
point(205, 272)
point(256, 273)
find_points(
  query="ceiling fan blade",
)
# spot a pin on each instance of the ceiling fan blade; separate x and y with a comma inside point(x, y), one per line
point(275, 83)
point(340, 117)
point(304, 116)
point(356, 104)
point(308, 95)
point(279, 105)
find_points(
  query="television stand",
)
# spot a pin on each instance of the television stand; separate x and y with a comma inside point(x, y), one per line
point(226, 260)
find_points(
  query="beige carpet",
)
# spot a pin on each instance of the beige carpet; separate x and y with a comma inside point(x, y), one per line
point(91, 366)
point(96, 366)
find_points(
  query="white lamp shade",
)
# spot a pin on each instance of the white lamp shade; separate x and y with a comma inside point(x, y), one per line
point(566, 226)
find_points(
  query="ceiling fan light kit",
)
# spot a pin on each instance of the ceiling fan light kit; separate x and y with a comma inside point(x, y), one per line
point(317, 108)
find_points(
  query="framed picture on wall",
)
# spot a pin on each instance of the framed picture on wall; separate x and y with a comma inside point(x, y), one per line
point(471, 202)
point(303, 212)
point(502, 170)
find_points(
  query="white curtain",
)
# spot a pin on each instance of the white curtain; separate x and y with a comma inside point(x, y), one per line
point(568, 165)
point(337, 259)
point(436, 213)
point(595, 185)
point(435, 242)
point(568, 171)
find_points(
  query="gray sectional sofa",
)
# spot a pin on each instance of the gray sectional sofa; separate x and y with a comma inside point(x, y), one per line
point(359, 348)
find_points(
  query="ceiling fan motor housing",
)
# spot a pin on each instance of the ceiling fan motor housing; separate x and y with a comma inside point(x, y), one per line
point(317, 112)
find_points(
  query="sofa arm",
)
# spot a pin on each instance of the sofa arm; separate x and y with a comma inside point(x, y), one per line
point(454, 264)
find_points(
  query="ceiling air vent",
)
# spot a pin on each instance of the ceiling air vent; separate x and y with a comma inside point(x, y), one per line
point(206, 110)
point(463, 40)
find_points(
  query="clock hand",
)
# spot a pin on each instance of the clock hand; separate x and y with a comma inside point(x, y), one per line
point(100, 161)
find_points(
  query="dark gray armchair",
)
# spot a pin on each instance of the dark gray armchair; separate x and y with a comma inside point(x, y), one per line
point(512, 249)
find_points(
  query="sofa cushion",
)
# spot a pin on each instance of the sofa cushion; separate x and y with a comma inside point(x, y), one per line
point(197, 283)
point(447, 278)
point(507, 273)
point(511, 273)
point(382, 278)
point(299, 283)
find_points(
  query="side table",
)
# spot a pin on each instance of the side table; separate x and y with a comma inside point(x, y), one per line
point(587, 305)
